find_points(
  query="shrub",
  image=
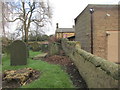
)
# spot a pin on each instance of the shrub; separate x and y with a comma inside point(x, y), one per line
point(44, 47)
point(5, 44)
point(35, 46)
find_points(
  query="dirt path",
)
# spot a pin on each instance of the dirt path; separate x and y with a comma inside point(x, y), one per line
point(70, 69)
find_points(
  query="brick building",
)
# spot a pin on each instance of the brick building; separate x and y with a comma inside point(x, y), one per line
point(64, 32)
point(96, 27)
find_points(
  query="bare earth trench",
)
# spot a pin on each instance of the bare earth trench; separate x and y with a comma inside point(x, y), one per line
point(71, 69)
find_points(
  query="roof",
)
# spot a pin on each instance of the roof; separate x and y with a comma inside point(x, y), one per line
point(97, 6)
point(71, 37)
point(65, 30)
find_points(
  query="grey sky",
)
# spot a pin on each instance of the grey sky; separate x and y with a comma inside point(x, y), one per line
point(65, 11)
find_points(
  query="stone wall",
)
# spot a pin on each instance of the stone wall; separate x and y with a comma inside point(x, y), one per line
point(38, 46)
point(97, 72)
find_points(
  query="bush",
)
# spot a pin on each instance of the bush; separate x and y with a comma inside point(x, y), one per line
point(35, 46)
point(5, 44)
point(44, 47)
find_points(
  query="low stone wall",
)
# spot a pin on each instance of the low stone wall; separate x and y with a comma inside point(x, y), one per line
point(97, 72)
point(38, 46)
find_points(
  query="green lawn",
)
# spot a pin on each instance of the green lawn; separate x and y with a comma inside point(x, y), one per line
point(52, 76)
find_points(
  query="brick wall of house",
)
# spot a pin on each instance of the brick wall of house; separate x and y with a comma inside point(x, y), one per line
point(64, 34)
point(105, 17)
point(82, 30)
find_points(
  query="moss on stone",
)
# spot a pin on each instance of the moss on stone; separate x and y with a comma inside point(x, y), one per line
point(53, 48)
point(97, 71)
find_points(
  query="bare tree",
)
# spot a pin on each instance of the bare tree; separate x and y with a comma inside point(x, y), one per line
point(29, 13)
point(3, 21)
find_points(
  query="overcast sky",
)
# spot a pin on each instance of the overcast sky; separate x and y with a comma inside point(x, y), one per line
point(65, 11)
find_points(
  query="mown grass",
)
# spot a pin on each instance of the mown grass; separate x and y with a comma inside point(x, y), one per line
point(52, 76)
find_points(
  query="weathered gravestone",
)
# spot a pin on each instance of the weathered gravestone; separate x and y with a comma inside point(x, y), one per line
point(18, 53)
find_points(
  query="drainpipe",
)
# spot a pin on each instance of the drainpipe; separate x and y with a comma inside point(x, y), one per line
point(91, 13)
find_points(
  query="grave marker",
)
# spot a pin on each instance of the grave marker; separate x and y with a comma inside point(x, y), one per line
point(18, 53)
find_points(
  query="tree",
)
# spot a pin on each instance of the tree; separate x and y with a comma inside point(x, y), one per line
point(39, 37)
point(4, 12)
point(29, 13)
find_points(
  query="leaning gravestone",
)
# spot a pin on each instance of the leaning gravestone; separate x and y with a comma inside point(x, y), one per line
point(18, 53)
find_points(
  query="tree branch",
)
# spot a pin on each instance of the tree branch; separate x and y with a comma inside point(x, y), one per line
point(14, 19)
point(38, 24)
point(32, 7)
point(35, 20)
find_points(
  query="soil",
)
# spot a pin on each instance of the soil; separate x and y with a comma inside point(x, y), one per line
point(71, 69)
point(58, 59)
point(14, 80)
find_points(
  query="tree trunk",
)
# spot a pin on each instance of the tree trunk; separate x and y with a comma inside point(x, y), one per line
point(26, 36)
point(2, 6)
point(24, 23)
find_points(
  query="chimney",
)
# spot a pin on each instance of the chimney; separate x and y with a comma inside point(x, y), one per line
point(57, 26)
point(73, 26)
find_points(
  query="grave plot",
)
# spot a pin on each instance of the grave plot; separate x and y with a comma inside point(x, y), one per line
point(17, 78)
point(40, 56)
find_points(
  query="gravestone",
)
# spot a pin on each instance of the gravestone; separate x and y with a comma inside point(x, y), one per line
point(18, 53)
point(27, 52)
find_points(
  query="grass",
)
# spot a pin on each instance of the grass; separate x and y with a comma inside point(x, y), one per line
point(52, 76)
